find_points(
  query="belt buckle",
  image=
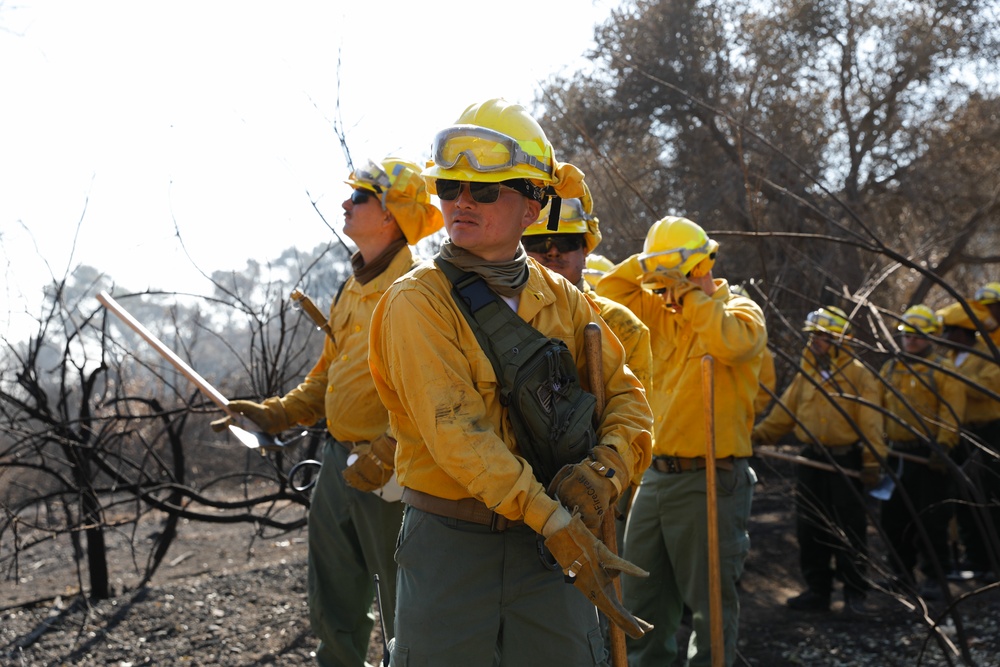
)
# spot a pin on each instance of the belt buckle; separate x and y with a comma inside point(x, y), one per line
point(498, 523)
point(671, 464)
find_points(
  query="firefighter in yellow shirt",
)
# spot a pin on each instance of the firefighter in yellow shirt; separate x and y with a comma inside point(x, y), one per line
point(353, 523)
point(987, 297)
point(567, 250)
point(924, 406)
point(690, 314)
point(472, 589)
point(825, 407)
point(979, 519)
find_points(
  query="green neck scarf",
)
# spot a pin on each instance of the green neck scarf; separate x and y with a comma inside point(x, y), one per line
point(505, 278)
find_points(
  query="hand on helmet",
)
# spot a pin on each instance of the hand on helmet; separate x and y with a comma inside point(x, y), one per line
point(670, 284)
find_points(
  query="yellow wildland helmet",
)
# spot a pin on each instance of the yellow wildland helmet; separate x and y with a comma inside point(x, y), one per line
point(677, 244)
point(829, 319)
point(574, 218)
point(403, 192)
point(491, 142)
point(988, 293)
point(919, 319)
point(595, 268)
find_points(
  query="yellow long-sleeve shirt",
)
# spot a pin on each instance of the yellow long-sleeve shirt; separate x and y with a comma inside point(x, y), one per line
point(631, 333)
point(768, 378)
point(926, 403)
point(816, 398)
point(454, 437)
point(730, 328)
point(339, 387)
point(980, 408)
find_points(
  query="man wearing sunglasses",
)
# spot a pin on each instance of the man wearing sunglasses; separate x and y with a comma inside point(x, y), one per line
point(473, 587)
point(353, 523)
point(564, 250)
point(670, 287)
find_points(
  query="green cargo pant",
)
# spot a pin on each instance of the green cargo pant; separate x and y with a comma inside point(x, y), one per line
point(667, 536)
point(352, 536)
point(469, 596)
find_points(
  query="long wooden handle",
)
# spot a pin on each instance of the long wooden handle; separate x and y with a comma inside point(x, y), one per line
point(595, 373)
point(595, 368)
point(712, 506)
point(165, 352)
point(312, 311)
point(801, 460)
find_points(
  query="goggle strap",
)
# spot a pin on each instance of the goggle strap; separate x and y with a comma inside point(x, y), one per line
point(554, 209)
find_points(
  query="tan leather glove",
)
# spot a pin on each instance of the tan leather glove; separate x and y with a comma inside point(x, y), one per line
point(593, 566)
point(374, 465)
point(269, 416)
point(672, 282)
point(870, 475)
point(592, 486)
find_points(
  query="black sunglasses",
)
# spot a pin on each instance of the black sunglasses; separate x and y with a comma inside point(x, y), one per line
point(562, 242)
point(482, 193)
point(359, 197)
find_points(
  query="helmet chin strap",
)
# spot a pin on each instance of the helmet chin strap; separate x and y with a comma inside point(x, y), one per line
point(554, 210)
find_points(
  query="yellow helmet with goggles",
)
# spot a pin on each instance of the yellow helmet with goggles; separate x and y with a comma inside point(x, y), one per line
point(403, 192)
point(491, 142)
point(919, 319)
point(988, 293)
point(829, 319)
point(574, 218)
point(677, 244)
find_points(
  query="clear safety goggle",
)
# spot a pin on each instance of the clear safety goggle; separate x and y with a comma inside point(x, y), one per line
point(572, 210)
point(673, 258)
point(820, 319)
point(372, 174)
point(988, 294)
point(916, 323)
point(486, 150)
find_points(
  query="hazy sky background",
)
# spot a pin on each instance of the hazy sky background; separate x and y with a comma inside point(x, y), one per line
point(129, 118)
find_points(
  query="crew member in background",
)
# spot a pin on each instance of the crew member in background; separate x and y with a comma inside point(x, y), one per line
point(353, 526)
point(978, 514)
point(473, 589)
point(689, 314)
point(988, 298)
point(924, 405)
point(824, 405)
point(567, 250)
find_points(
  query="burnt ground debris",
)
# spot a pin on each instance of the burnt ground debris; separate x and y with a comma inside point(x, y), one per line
point(225, 597)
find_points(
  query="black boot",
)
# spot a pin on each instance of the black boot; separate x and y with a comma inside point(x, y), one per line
point(809, 601)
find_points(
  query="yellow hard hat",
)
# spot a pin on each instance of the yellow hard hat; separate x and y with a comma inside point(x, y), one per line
point(574, 218)
point(491, 142)
point(595, 268)
point(403, 192)
point(988, 293)
point(919, 319)
point(829, 319)
point(678, 244)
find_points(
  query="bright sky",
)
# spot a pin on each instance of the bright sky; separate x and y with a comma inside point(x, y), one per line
point(217, 116)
